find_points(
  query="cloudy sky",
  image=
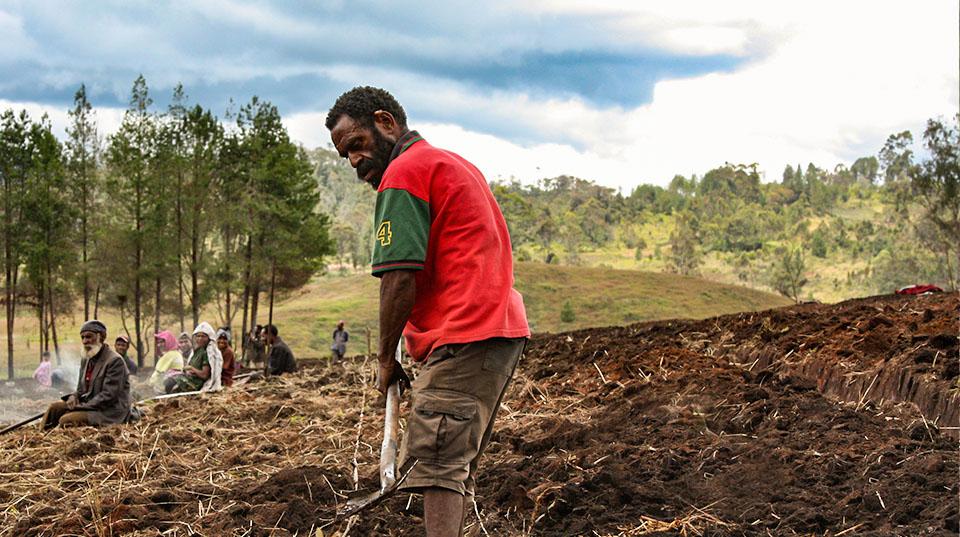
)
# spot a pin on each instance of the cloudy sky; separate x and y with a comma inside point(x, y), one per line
point(617, 92)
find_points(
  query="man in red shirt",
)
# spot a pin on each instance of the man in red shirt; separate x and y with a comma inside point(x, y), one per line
point(443, 256)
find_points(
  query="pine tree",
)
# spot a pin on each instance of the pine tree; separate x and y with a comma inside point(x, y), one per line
point(82, 153)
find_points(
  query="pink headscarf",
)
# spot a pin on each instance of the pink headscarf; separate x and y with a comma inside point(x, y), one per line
point(169, 340)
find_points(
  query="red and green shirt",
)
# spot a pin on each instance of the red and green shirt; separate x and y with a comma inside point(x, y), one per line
point(436, 214)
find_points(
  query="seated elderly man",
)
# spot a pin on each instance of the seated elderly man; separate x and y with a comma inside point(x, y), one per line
point(103, 389)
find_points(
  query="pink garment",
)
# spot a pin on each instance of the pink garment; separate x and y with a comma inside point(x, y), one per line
point(42, 374)
point(169, 341)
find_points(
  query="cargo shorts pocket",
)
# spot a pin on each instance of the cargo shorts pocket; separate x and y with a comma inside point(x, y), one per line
point(444, 428)
point(501, 355)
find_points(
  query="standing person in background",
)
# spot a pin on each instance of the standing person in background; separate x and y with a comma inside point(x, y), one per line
point(443, 256)
point(122, 345)
point(44, 372)
point(281, 357)
point(340, 338)
point(169, 363)
point(229, 359)
point(254, 352)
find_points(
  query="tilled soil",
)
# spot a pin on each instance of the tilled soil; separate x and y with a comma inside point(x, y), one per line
point(809, 420)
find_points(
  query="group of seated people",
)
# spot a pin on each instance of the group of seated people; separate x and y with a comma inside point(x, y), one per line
point(205, 362)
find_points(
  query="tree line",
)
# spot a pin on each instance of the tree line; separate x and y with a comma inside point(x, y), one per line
point(766, 230)
point(176, 211)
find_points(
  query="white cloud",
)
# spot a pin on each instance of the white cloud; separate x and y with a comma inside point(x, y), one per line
point(17, 45)
point(832, 80)
point(108, 119)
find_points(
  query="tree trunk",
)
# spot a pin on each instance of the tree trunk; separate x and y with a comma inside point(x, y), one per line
point(194, 266)
point(136, 316)
point(53, 324)
point(137, 289)
point(8, 292)
point(123, 320)
point(255, 303)
point(156, 317)
point(41, 318)
point(245, 327)
point(273, 286)
point(96, 304)
point(83, 249)
point(180, 308)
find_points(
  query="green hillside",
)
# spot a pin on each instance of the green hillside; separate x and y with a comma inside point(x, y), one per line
point(598, 297)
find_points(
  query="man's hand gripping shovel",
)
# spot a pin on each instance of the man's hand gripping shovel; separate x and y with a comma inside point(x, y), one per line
point(391, 477)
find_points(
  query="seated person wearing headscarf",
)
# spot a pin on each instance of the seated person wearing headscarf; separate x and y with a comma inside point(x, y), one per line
point(204, 369)
point(103, 389)
point(186, 346)
point(169, 363)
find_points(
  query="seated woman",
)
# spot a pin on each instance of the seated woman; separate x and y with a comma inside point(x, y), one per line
point(198, 369)
point(169, 363)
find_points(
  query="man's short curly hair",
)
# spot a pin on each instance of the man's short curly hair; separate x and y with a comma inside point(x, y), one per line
point(361, 102)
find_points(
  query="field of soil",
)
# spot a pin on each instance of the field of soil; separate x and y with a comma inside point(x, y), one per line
point(808, 420)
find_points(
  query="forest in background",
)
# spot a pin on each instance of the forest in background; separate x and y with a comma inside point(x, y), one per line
point(884, 222)
point(176, 211)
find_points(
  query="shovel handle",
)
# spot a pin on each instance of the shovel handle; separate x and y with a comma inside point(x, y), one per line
point(16, 426)
point(388, 450)
point(391, 429)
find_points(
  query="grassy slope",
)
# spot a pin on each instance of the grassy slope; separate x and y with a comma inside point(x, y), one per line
point(599, 296)
point(827, 277)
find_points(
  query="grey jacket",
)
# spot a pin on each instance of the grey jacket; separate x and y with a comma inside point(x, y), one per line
point(108, 395)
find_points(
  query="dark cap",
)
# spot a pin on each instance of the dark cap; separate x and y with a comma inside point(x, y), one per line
point(94, 326)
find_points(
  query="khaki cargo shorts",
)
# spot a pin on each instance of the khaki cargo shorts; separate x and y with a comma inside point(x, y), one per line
point(455, 402)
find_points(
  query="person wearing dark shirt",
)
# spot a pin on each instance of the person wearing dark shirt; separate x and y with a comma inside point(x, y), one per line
point(281, 357)
point(121, 346)
point(229, 358)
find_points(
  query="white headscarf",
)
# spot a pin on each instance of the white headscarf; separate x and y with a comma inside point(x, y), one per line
point(213, 354)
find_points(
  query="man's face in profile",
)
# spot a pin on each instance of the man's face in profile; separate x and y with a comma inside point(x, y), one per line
point(367, 149)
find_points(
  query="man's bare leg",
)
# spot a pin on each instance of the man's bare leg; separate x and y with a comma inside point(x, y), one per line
point(442, 512)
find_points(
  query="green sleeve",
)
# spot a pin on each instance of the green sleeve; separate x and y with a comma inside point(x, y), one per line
point(402, 227)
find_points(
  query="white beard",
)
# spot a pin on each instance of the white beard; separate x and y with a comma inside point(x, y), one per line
point(93, 350)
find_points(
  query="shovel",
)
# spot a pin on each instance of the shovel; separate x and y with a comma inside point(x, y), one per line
point(391, 477)
point(16, 426)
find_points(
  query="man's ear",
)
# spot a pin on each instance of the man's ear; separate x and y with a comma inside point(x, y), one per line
point(387, 124)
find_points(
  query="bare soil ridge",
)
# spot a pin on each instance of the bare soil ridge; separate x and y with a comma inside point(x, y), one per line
point(798, 421)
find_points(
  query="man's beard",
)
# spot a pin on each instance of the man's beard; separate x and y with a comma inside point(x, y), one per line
point(92, 350)
point(382, 148)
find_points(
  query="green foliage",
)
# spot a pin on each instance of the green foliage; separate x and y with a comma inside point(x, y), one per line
point(818, 243)
point(787, 274)
point(937, 184)
point(567, 314)
point(685, 254)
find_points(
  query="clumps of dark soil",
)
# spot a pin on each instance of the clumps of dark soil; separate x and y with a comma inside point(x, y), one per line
point(808, 420)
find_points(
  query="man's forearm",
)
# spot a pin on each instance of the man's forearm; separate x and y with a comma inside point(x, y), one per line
point(398, 292)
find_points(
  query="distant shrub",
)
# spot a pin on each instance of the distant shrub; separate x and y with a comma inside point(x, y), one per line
point(567, 314)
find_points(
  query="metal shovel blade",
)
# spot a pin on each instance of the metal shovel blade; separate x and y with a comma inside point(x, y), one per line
point(365, 500)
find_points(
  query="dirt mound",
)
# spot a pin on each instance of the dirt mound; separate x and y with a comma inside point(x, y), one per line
point(810, 420)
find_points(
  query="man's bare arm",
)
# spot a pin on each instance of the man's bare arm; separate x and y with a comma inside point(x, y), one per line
point(398, 292)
